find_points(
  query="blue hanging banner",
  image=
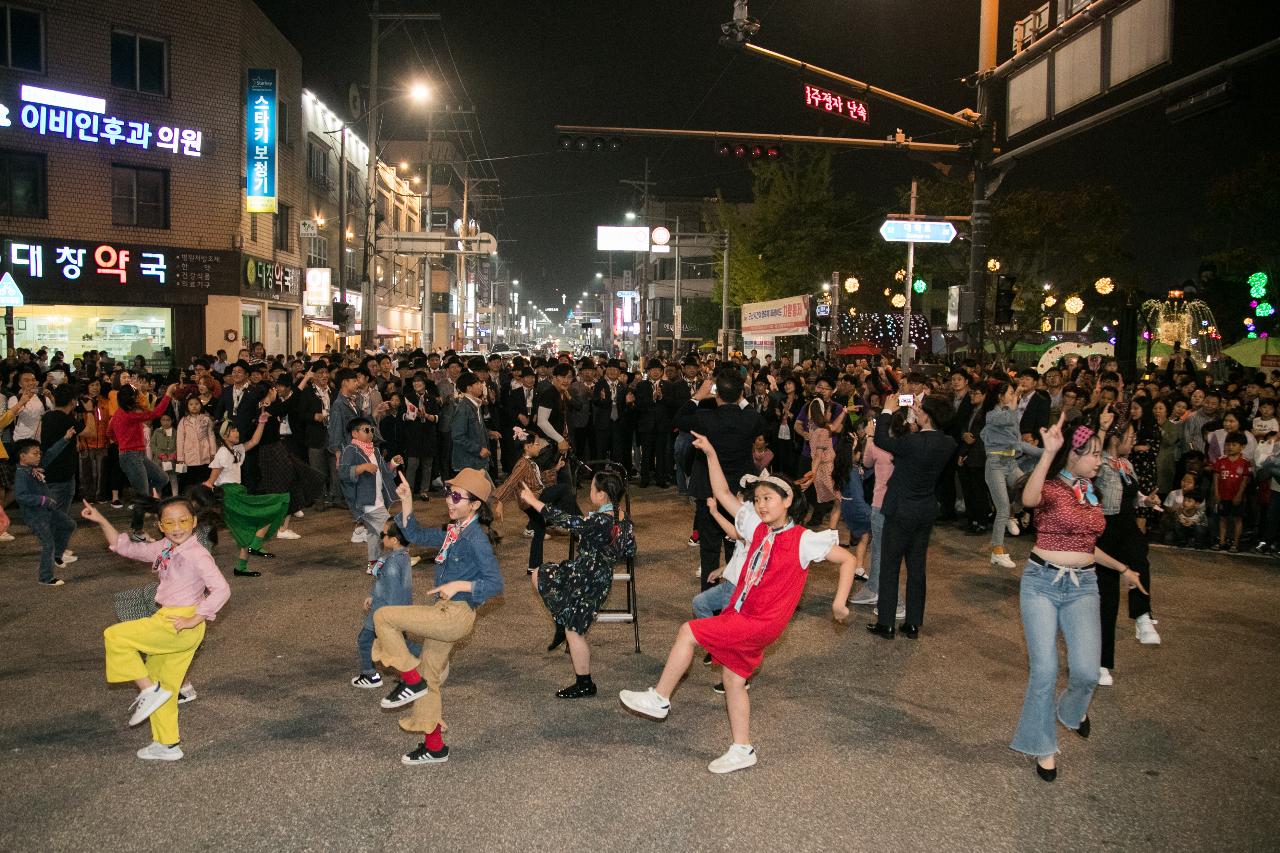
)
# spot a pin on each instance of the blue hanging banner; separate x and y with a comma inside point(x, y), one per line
point(260, 141)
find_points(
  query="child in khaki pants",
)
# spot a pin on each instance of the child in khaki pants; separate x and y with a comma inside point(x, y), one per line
point(191, 591)
point(466, 576)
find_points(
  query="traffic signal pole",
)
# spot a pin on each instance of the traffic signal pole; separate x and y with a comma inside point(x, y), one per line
point(980, 213)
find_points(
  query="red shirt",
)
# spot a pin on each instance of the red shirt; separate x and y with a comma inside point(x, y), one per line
point(126, 427)
point(1231, 475)
point(1064, 522)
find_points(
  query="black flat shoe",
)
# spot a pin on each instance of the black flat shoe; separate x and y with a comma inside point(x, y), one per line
point(879, 630)
point(258, 552)
point(1084, 729)
point(246, 573)
point(557, 640)
point(911, 632)
point(1047, 775)
point(577, 691)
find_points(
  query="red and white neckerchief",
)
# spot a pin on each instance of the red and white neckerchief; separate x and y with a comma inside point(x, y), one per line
point(450, 536)
point(759, 562)
point(161, 565)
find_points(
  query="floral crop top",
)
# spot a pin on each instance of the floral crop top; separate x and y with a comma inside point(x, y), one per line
point(1066, 522)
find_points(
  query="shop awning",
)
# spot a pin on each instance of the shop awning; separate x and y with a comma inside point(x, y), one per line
point(324, 324)
point(384, 332)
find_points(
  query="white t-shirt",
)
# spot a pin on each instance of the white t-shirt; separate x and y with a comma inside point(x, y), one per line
point(814, 544)
point(228, 461)
point(1262, 426)
point(26, 423)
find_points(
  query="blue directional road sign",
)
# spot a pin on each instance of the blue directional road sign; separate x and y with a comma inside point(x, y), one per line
point(917, 231)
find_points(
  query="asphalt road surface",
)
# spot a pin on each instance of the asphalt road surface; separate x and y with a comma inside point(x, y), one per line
point(863, 743)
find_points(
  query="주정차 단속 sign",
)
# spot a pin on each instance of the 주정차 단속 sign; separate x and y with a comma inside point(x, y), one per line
point(260, 141)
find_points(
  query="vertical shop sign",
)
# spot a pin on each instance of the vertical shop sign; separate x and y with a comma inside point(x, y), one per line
point(260, 141)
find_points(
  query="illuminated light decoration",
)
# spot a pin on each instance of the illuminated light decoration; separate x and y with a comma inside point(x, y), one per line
point(829, 102)
point(887, 291)
point(260, 141)
point(993, 265)
point(899, 301)
point(80, 118)
point(1073, 305)
point(1263, 335)
point(919, 285)
point(1104, 285)
point(1175, 295)
point(1146, 335)
point(1112, 341)
point(900, 276)
point(1258, 279)
point(851, 284)
point(1248, 321)
point(1045, 325)
point(1257, 291)
point(1253, 304)
point(1050, 301)
point(1251, 335)
point(1046, 286)
point(1194, 341)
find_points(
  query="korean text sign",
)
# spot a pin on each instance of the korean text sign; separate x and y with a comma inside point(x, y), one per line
point(789, 316)
point(260, 141)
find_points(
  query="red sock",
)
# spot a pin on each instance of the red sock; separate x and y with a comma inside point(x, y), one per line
point(411, 677)
point(433, 741)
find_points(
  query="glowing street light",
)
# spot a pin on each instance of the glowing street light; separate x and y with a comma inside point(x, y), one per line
point(631, 215)
point(419, 93)
point(599, 275)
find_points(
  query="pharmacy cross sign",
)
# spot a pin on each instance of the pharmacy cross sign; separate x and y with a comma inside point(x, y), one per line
point(917, 231)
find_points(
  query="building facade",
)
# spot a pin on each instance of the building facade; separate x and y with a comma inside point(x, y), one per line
point(122, 164)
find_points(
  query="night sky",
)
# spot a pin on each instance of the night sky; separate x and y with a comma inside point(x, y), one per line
point(528, 66)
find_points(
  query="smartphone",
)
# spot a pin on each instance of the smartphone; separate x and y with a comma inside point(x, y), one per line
point(906, 400)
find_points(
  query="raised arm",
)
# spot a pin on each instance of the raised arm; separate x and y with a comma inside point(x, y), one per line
point(719, 485)
point(1052, 440)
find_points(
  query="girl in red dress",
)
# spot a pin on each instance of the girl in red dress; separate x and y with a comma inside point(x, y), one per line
point(762, 604)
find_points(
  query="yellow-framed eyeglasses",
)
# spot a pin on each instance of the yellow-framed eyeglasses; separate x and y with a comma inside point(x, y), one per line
point(177, 523)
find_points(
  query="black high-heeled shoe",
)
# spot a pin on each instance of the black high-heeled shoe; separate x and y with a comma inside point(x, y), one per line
point(1048, 774)
point(1084, 728)
point(558, 639)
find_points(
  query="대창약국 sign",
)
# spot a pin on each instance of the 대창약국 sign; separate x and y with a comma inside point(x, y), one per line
point(787, 316)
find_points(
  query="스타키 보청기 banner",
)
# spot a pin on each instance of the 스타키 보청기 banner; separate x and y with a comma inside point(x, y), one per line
point(260, 141)
point(788, 316)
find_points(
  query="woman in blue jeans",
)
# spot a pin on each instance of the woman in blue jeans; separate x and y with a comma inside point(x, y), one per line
point(1060, 591)
point(1002, 442)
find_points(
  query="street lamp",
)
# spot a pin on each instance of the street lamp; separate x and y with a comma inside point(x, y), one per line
point(631, 215)
point(420, 93)
point(599, 275)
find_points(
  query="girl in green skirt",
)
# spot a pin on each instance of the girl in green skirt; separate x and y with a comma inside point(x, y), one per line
point(252, 519)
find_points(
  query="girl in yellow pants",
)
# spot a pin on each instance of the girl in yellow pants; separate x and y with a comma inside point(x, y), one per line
point(191, 591)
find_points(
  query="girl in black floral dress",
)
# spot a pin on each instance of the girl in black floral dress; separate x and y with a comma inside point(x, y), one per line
point(575, 589)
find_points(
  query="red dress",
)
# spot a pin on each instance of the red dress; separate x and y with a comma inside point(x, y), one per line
point(737, 639)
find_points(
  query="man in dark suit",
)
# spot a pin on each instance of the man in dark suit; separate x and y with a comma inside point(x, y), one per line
point(910, 507)
point(1034, 404)
point(654, 425)
point(679, 389)
point(313, 414)
point(961, 409)
point(731, 425)
point(611, 415)
point(239, 405)
point(470, 436)
point(521, 410)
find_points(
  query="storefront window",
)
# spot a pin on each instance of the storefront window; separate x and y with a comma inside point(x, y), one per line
point(75, 328)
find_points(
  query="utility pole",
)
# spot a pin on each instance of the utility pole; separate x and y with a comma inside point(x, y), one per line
point(908, 283)
point(368, 290)
point(980, 215)
point(428, 306)
point(724, 300)
point(676, 312)
point(468, 298)
point(643, 186)
point(342, 223)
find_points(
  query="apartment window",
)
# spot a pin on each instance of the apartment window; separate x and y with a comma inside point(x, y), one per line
point(281, 236)
point(22, 185)
point(349, 264)
point(318, 163)
point(139, 63)
point(317, 251)
point(354, 190)
point(282, 121)
point(139, 197)
point(253, 227)
point(22, 38)
point(439, 220)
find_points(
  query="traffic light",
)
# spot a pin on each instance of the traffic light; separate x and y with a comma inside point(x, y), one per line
point(590, 143)
point(752, 150)
point(1004, 300)
point(342, 317)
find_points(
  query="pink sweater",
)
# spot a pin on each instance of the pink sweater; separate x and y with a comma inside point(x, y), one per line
point(882, 461)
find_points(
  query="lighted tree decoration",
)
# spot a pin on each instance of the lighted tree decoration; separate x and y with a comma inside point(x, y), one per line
point(1104, 285)
point(1258, 285)
point(1073, 305)
point(919, 285)
point(899, 300)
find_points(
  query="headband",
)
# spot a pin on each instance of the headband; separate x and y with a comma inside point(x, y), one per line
point(766, 477)
point(1081, 437)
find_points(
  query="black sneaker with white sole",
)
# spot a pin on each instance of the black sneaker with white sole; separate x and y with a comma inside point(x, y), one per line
point(422, 755)
point(719, 687)
point(367, 681)
point(404, 694)
point(706, 659)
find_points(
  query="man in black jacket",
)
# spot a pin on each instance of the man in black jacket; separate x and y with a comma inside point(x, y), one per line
point(611, 411)
point(240, 398)
point(961, 409)
point(910, 507)
point(1034, 404)
point(654, 425)
point(731, 425)
point(313, 416)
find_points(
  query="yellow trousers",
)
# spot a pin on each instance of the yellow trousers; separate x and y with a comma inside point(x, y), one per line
point(440, 625)
point(168, 655)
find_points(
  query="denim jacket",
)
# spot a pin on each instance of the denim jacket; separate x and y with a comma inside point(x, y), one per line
point(470, 558)
point(358, 489)
point(1000, 432)
point(29, 491)
point(1110, 487)
point(393, 586)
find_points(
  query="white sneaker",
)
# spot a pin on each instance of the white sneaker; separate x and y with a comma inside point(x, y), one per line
point(156, 751)
point(1012, 527)
point(1003, 560)
point(646, 703)
point(1147, 631)
point(186, 693)
point(862, 596)
point(6, 537)
point(288, 534)
point(1104, 677)
point(900, 613)
point(528, 533)
point(147, 703)
point(298, 514)
point(739, 757)
point(67, 552)
point(67, 559)
point(359, 536)
point(414, 560)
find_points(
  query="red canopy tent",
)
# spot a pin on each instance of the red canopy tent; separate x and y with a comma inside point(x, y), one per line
point(860, 348)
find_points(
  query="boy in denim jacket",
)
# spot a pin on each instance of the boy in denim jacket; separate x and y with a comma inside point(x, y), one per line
point(51, 525)
point(392, 585)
